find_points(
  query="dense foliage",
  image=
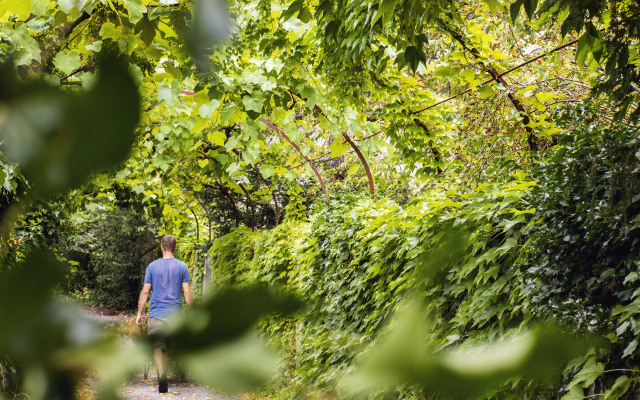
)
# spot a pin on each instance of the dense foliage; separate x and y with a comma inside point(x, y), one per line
point(481, 262)
point(428, 176)
point(108, 254)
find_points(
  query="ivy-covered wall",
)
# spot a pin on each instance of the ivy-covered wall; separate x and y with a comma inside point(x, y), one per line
point(353, 263)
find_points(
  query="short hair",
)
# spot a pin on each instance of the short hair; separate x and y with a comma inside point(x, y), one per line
point(168, 243)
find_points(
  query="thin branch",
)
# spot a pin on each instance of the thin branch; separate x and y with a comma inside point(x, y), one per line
point(253, 211)
point(197, 225)
point(295, 146)
point(364, 162)
point(499, 76)
point(367, 137)
point(226, 191)
point(66, 31)
point(83, 68)
point(355, 148)
point(79, 32)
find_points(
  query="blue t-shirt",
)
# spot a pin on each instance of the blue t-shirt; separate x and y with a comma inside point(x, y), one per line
point(166, 276)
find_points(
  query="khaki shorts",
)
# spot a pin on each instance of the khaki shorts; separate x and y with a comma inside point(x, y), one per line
point(156, 329)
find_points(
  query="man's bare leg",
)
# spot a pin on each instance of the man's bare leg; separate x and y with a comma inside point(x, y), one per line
point(160, 357)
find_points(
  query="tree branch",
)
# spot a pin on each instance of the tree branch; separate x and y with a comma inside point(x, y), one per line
point(253, 211)
point(295, 146)
point(499, 76)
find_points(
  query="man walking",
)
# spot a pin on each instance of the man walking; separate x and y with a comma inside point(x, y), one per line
point(166, 278)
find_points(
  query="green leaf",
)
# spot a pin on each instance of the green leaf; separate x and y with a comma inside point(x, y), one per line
point(494, 5)
point(108, 31)
point(387, 11)
point(254, 102)
point(630, 348)
point(39, 7)
point(67, 5)
point(162, 161)
point(135, 8)
point(582, 49)
point(252, 153)
point(305, 15)
point(27, 47)
point(127, 44)
point(290, 175)
point(619, 388)
point(167, 93)
point(218, 138)
point(588, 374)
point(338, 148)
point(136, 74)
point(412, 57)
point(95, 46)
point(20, 7)
point(267, 171)
point(514, 9)
point(231, 143)
point(67, 63)
point(530, 7)
point(443, 71)
point(294, 8)
point(486, 91)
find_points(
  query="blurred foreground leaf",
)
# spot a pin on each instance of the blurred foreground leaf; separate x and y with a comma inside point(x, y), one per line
point(215, 343)
point(211, 24)
point(236, 366)
point(58, 139)
point(403, 358)
point(229, 315)
point(52, 342)
point(30, 285)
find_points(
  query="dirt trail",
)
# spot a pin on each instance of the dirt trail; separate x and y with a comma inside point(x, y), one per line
point(137, 387)
point(140, 388)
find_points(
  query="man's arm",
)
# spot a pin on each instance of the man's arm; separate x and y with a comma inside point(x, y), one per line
point(188, 295)
point(144, 296)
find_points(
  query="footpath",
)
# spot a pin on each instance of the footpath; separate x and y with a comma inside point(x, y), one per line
point(137, 387)
point(140, 388)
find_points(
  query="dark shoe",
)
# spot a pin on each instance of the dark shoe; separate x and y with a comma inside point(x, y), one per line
point(163, 385)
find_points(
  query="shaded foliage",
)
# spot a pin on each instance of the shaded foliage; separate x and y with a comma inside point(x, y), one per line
point(110, 252)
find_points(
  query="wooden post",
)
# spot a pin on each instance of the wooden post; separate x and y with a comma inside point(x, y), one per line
point(207, 275)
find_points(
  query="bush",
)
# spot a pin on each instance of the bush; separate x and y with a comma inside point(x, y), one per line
point(111, 250)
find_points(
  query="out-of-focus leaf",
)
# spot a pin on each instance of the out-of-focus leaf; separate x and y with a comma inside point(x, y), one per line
point(451, 247)
point(236, 366)
point(227, 316)
point(20, 7)
point(59, 139)
point(403, 358)
point(213, 340)
point(30, 285)
point(211, 24)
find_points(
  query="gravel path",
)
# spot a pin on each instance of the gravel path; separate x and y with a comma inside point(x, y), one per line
point(100, 318)
point(140, 388)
